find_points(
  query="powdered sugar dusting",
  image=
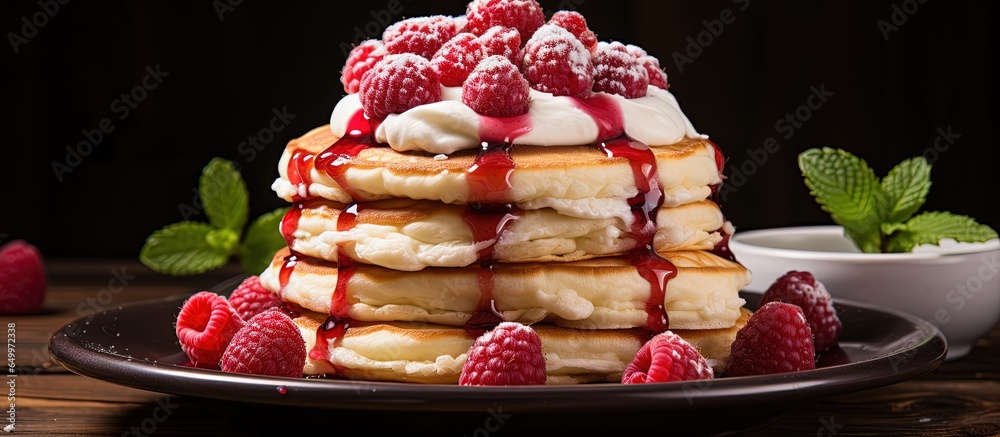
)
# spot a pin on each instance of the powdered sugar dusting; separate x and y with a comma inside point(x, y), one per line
point(421, 35)
point(576, 24)
point(397, 83)
point(491, 63)
point(556, 62)
point(560, 69)
point(457, 58)
point(361, 59)
point(616, 71)
point(460, 23)
point(503, 41)
point(524, 15)
point(496, 88)
point(657, 77)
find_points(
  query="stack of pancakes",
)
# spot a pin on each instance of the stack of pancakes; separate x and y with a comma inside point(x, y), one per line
point(396, 261)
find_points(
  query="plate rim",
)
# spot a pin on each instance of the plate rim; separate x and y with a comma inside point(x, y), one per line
point(906, 362)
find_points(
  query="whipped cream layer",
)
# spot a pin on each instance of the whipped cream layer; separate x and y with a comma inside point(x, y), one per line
point(449, 125)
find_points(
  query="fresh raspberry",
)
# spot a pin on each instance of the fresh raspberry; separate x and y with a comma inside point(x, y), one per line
point(496, 88)
point(577, 25)
point(457, 58)
point(422, 36)
point(510, 354)
point(397, 83)
point(205, 326)
point(22, 278)
point(269, 344)
point(503, 41)
point(776, 339)
point(803, 290)
point(618, 72)
point(361, 59)
point(250, 298)
point(524, 15)
point(657, 77)
point(558, 63)
point(664, 358)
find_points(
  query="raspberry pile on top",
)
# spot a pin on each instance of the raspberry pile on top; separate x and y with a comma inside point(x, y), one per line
point(560, 55)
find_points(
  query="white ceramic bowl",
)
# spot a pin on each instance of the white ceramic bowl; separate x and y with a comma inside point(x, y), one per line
point(955, 286)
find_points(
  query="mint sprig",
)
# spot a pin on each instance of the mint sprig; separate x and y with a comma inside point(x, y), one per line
point(224, 195)
point(190, 248)
point(878, 215)
point(262, 240)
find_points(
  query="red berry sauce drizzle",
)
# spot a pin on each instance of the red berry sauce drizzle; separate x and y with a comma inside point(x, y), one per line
point(331, 332)
point(489, 211)
point(290, 222)
point(722, 248)
point(720, 162)
point(487, 216)
point(287, 266)
point(657, 271)
point(487, 223)
point(299, 167)
point(336, 159)
point(503, 130)
point(653, 268)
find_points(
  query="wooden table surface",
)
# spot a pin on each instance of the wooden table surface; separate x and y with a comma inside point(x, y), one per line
point(958, 398)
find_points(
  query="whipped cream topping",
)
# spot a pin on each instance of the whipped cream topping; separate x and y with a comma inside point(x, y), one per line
point(449, 125)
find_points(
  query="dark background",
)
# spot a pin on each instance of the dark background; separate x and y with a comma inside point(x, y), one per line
point(890, 98)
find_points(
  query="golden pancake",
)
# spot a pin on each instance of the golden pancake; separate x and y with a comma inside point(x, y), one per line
point(578, 181)
point(410, 235)
point(601, 293)
point(428, 353)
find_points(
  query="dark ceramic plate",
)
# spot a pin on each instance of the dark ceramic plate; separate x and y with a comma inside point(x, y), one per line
point(135, 346)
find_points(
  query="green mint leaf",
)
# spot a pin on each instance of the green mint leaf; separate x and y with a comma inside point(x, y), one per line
point(224, 240)
point(889, 228)
point(906, 186)
point(847, 188)
point(183, 249)
point(224, 195)
point(263, 239)
point(932, 227)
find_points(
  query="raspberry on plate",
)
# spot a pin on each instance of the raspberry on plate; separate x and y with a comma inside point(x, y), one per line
point(803, 290)
point(457, 58)
point(422, 36)
point(269, 344)
point(664, 358)
point(657, 77)
point(510, 354)
point(22, 278)
point(496, 88)
point(616, 71)
point(558, 63)
point(361, 59)
point(205, 326)
point(250, 298)
point(503, 41)
point(397, 83)
point(524, 15)
point(776, 339)
point(576, 24)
